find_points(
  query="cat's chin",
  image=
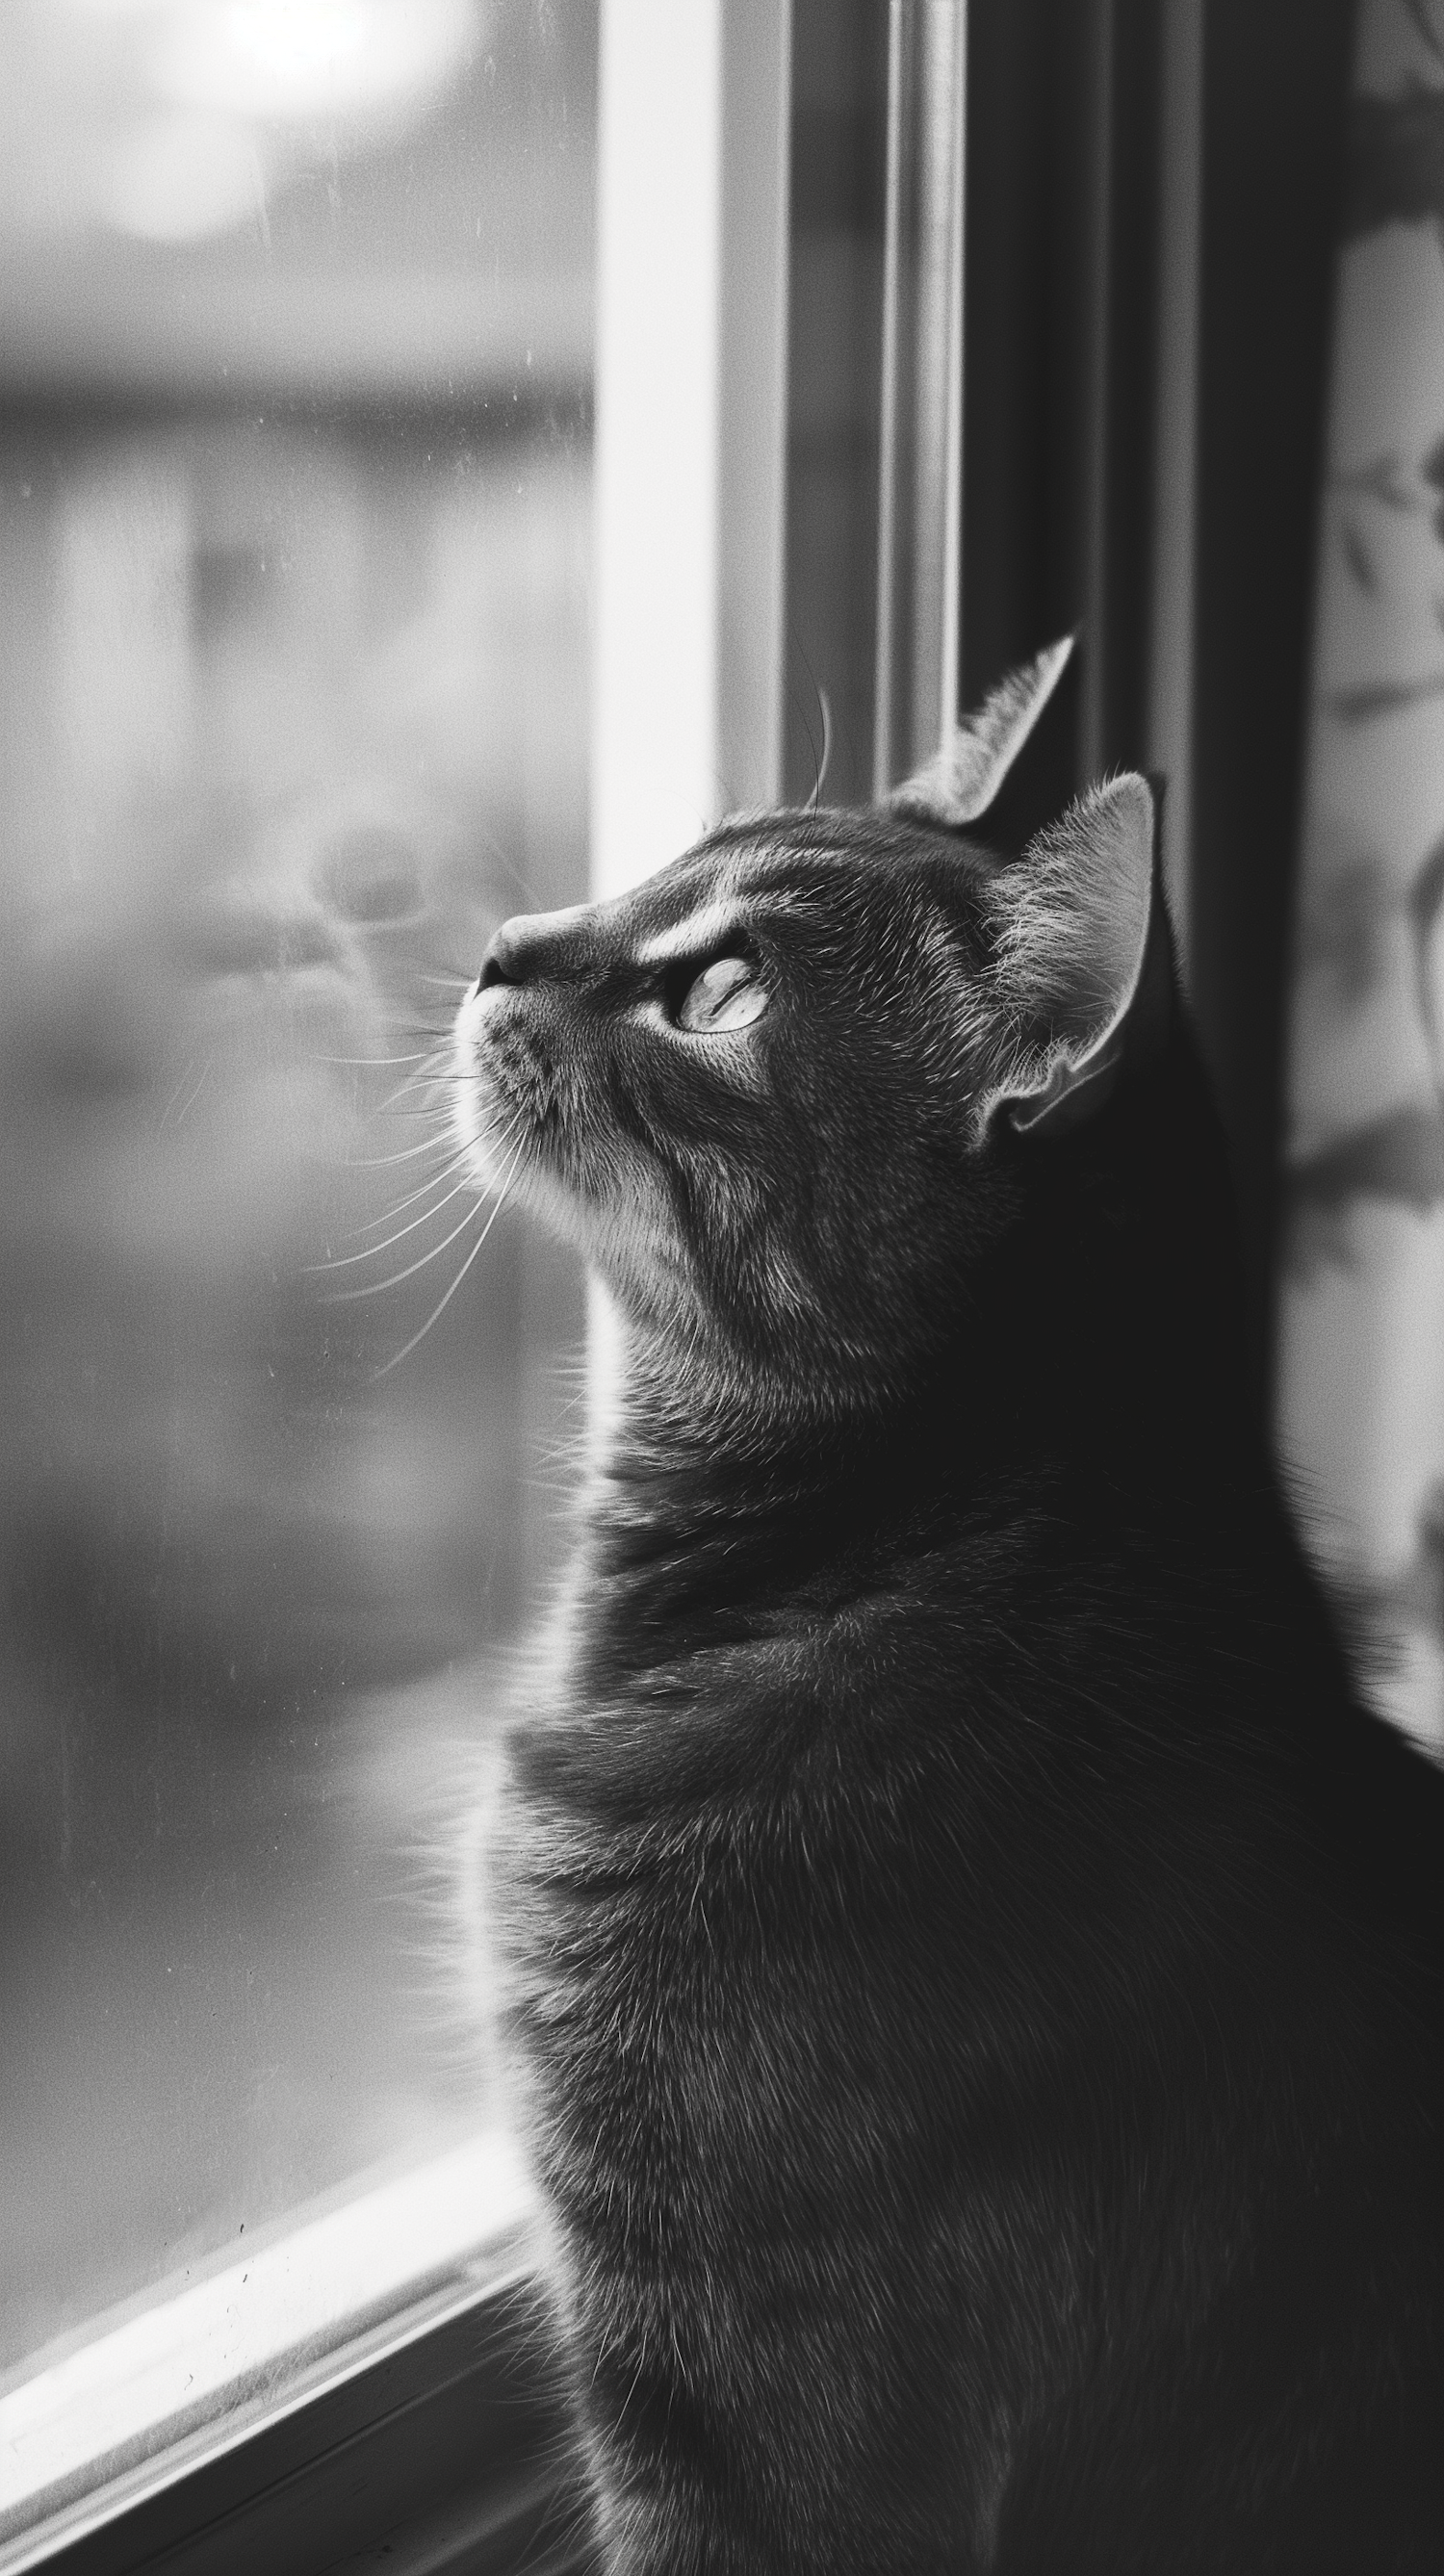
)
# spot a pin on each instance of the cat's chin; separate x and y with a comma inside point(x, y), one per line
point(478, 1112)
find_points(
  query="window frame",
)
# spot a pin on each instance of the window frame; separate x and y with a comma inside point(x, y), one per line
point(446, 2446)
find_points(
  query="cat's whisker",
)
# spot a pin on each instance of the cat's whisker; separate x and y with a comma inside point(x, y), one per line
point(379, 1287)
point(434, 1066)
point(438, 1143)
point(412, 1197)
point(422, 1105)
point(456, 1164)
point(440, 1308)
point(368, 1062)
point(192, 1096)
point(382, 1287)
point(820, 777)
point(373, 1251)
point(804, 718)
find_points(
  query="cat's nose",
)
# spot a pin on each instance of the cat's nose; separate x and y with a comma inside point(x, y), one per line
point(511, 956)
point(529, 946)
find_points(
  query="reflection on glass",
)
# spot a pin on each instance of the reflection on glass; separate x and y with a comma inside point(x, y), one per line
point(293, 544)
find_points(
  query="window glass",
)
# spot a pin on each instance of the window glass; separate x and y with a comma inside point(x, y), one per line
point(294, 476)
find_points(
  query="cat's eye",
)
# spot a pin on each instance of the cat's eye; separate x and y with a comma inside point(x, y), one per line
point(728, 994)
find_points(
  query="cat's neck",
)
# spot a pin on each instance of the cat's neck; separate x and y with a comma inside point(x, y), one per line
point(1025, 1406)
point(1094, 1350)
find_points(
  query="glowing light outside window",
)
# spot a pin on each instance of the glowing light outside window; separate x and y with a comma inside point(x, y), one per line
point(206, 109)
point(308, 58)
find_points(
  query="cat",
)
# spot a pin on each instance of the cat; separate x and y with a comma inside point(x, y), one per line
point(971, 1968)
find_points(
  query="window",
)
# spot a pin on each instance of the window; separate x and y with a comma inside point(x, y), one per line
point(295, 396)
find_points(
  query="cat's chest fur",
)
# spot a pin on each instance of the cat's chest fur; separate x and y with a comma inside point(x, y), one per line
point(859, 2007)
point(719, 1979)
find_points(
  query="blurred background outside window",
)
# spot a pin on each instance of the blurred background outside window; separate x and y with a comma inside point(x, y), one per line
point(295, 351)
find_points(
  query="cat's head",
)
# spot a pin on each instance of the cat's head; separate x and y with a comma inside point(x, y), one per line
point(784, 1092)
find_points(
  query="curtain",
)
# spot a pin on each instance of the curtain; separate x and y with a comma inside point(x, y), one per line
point(1361, 1325)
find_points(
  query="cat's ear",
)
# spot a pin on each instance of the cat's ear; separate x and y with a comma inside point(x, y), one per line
point(961, 781)
point(1074, 915)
